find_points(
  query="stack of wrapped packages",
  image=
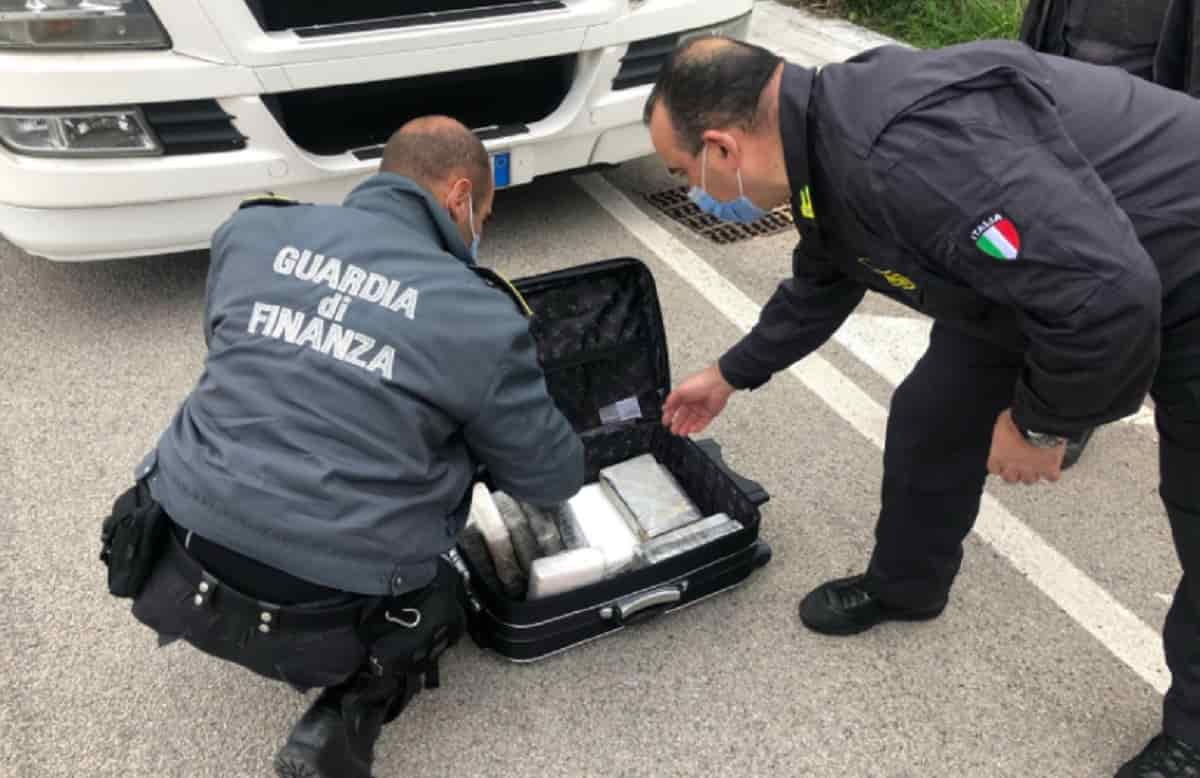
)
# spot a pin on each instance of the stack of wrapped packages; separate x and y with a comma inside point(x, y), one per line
point(636, 515)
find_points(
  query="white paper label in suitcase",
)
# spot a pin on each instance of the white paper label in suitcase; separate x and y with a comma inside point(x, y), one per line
point(622, 410)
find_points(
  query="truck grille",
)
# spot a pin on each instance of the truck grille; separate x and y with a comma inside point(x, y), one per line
point(311, 18)
point(643, 61)
point(334, 120)
point(193, 127)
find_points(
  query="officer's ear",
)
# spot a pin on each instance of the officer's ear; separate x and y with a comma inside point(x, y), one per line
point(722, 145)
point(457, 199)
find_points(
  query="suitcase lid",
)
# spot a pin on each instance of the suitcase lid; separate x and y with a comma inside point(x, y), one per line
point(601, 341)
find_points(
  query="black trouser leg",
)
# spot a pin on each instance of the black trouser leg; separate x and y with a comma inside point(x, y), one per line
point(1177, 413)
point(405, 636)
point(939, 436)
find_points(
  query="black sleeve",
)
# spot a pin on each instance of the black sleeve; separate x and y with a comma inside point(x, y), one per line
point(1177, 57)
point(1041, 25)
point(801, 315)
point(1002, 202)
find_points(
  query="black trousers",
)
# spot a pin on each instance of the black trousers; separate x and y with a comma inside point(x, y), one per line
point(935, 464)
point(286, 629)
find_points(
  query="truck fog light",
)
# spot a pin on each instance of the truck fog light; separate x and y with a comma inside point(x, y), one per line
point(112, 133)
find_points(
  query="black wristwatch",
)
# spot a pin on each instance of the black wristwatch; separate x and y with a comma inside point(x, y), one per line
point(1042, 439)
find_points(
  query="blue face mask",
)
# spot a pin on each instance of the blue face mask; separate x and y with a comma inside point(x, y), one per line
point(474, 236)
point(742, 210)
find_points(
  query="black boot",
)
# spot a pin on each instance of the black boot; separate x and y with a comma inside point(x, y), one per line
point(846, 607)
point(1075, 447)
point(1164, 757)
point(323, 744)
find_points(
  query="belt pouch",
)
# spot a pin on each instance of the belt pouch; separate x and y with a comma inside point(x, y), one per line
point(132, 540)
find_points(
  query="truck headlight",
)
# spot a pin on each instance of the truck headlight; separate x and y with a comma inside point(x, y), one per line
point(79, 24)
point(115, 132)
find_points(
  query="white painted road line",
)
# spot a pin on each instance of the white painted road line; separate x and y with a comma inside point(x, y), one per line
point(896, 343)
point(1143, 418)
point(1125, 635)
point(893, 344)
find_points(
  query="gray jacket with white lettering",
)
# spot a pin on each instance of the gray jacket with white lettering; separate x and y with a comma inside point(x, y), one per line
point(358, 371)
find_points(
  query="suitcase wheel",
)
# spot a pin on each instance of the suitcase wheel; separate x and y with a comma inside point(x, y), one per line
point(762, 553)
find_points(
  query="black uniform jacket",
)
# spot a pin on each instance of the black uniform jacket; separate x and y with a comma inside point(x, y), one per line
point(1033, 201)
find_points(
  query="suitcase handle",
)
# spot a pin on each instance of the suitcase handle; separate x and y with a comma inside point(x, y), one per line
point(644, 605)
point(753, 489)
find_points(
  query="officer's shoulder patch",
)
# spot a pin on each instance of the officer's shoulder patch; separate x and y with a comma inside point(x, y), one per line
point(997, 236)
point(497, 281)
point(267, 199)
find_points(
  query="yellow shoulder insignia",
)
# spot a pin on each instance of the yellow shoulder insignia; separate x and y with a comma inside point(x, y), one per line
point(497, 281)
point(266, 199)
point(806, 204)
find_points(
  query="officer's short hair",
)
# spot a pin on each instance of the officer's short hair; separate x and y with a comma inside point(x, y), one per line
point(432, 148)
point(712, 83)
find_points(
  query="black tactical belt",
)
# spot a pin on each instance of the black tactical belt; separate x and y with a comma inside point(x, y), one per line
point(210, 592)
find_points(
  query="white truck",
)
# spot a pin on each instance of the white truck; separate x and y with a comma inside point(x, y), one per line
point(135, 127)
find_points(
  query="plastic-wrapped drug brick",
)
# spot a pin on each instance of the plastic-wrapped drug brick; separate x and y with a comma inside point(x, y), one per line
point(651, 494)
point(525, 545)
point(565, 571)
point(567, 529)
point(486, 517)
point(594, 518)
point(545, 529)
point(474, 547)
point(614, 499)
point(688, 537)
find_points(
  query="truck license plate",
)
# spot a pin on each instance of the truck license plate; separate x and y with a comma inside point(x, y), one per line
point(500, 170)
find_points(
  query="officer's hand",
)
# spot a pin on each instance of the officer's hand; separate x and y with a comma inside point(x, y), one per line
point(696, 402)
point(1017, 460)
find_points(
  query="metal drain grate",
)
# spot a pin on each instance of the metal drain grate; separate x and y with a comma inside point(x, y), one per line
point(675, 204)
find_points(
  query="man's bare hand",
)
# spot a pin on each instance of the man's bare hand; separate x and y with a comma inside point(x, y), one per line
point(696, 402)
point(1016, 460)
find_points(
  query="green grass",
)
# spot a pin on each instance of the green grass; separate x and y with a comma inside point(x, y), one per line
point(931, 23)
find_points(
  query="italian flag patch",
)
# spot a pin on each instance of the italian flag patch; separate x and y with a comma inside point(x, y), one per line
point(997, 237)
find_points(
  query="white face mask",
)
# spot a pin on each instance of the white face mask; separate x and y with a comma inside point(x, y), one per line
point(475, 237)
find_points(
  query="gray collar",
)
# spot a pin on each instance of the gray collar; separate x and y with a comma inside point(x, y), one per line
point(405, 201)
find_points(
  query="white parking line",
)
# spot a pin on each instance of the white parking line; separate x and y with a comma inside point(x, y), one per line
point(1125, 635)
point(895, 343)
point(1143, 418)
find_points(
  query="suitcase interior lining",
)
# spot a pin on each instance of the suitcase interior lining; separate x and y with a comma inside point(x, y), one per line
point(600, 339)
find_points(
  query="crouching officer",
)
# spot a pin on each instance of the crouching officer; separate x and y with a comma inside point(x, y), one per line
point(1045, 212)
point(294, 515)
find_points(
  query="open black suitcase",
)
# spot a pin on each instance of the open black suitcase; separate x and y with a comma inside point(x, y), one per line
point(602, 344)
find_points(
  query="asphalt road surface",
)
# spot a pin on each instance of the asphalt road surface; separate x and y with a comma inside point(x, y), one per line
point(1046, 663)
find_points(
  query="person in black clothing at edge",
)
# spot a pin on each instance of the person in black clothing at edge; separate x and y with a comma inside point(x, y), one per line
point(1158, 40)
point(1130, 34)
point(361, 368)
point(1043, 211)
